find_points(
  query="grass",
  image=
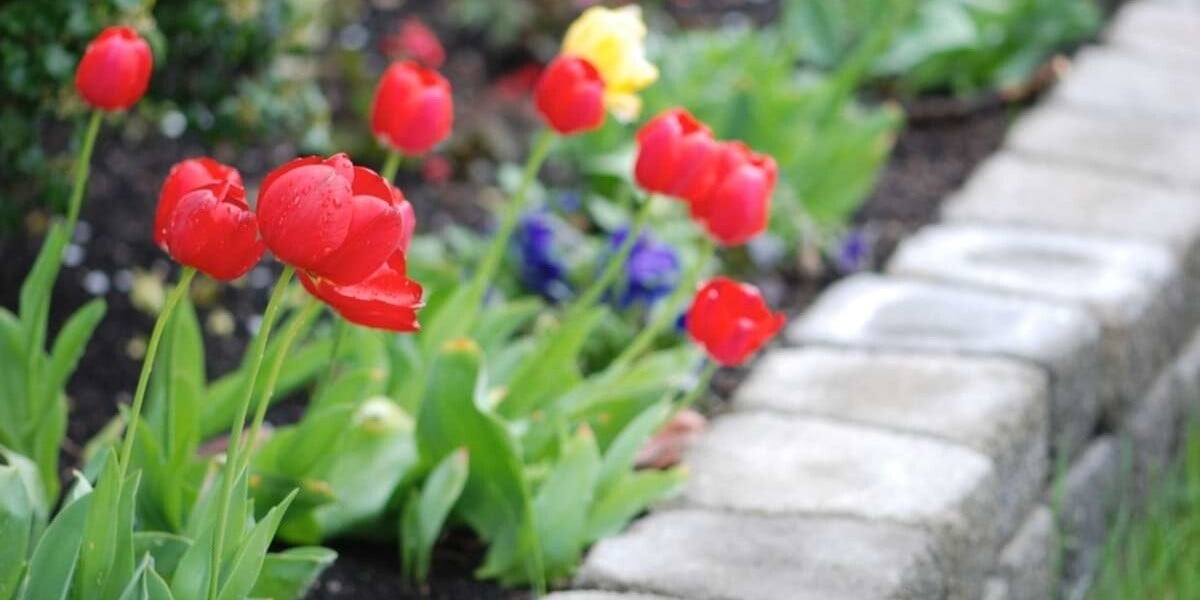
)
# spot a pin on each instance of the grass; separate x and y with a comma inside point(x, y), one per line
point(1154, 552)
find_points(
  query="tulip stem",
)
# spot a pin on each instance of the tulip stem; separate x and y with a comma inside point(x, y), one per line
point(613, 268)
point(289, 337)
point(495, 252)
point(668, 311)
point(257, 352)
point(82, 167)
point(139, 396)
point(391, 165)
point(702, 383)
point(341, 330)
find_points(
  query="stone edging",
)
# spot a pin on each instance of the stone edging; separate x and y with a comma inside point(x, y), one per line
point(903, 446)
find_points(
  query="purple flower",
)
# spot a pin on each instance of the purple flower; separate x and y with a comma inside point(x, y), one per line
point(651, 272)
point(854, 251)
point(541, 268)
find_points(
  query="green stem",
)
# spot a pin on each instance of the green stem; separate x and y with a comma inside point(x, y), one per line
point(710, 369)
point(341, 329)
point(257, 351)
point(668, 312)
point(391, 165)
point(495, 252)
point(614, 266)
point(139, 396)
point(289, 337)
point(82, 167)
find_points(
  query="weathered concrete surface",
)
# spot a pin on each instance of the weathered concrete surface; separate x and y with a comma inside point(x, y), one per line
point(1136, 290)
point(996, 406)
point(1132, 85)
point(787, 465)
point(600, 595)
point(1157, 148)
point(703, 555)
point(996, 589)
point(871, 312)
point(1015, 190)
point(1163, 32)
point(1089, 493)
point(1027, 563)
point(1150, 430)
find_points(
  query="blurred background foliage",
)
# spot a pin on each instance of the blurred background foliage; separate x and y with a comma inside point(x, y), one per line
point(229, 70)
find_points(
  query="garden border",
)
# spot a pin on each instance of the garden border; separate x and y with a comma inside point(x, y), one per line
point(961, 427)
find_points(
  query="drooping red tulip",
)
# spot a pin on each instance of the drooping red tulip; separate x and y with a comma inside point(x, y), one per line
point(212, 229)
point(387, 299)
point(738, 205)
point(731, 321)
point(185, 176)
point(330, 218)
point(677, 156)
point(413, 109)
point(570, 95)
point(115, 69)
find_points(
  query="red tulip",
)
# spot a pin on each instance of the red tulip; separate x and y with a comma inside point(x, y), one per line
point(337, 221)
point(413, 108)
point(184, 177)
point(731, 321)
point(570, 95)
point(738, 205)
point(212, 229)
point(677, 156)
point(115, 69)
point(417, 41)
point(387, 299)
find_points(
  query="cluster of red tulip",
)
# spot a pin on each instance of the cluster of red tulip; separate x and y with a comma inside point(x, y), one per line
point(346, 229)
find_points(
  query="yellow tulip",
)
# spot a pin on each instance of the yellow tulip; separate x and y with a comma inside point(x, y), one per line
point(614, 41)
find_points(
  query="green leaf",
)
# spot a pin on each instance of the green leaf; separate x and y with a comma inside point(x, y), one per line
point(166, 548)
point(496, 500)
point(317, 436)
point(98, 554)
point(426, 514)
point(563, 501)
point(289, 574)
point(53, 566)
point(622, 452)
point(17, 524)
point(629, 497)
point(552, 366)
point(70, 343)
point(35, 291)
point(244, 570)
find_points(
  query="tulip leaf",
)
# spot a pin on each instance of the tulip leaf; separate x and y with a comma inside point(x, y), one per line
point(106, 555)
point(551, 367)
point(35, 291)
point(562, 503)
point(317, 436)
point(621, 453)
point(166, 548)
point(290, 574)
point(52, 568)
point(628, 497)
point(247, 563)
point(71, 340)
point(425, 514)
point(18, 526)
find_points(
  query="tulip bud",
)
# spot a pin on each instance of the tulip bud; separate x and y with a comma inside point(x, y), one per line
point(738, 205)
point(413, 109)
point(184, 177)
point(731, 321)
point(677, 156)
point(337, 221)
point(212, 229)
point(570, 95)
point(115, 69)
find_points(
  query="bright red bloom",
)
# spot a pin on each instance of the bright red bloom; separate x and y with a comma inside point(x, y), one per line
point(417, 41)
point(570, 95)
point(737, 207)
point(413, 109)
point(115, 69)
point(337, 221)
point(212, 229)
point(387, 299)
point(731, 321)
point(185, 176)
point(677, 156)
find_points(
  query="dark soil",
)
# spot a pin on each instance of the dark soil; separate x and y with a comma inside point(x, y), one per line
point(931, 159)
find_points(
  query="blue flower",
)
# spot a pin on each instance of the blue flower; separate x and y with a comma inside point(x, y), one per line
point(854, 251)
point(651, 272)
point(541, 268)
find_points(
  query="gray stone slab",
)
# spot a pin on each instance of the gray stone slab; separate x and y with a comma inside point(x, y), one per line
point(1120, 81)
point(1089, 493)
point(704, 555)
point(996, 406)
point(1151, 430)
point(996, 589)
point(600, 595)
point(1155, 148)
point(872, 312)
point(1136, 290)
point(1027, 563)
point(788, 465)
point(1016, 190)
point(1162, 32)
